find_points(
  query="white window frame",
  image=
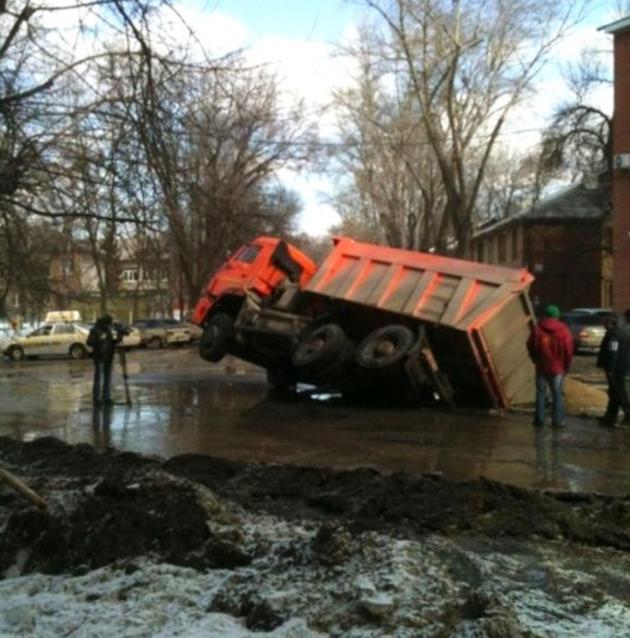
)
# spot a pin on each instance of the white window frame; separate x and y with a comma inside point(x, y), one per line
point(131, 275)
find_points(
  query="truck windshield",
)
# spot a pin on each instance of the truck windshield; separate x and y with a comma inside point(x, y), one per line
point(247, 254)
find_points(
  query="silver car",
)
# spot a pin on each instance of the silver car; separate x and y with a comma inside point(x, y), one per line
point(157, 333)
point(63, 338)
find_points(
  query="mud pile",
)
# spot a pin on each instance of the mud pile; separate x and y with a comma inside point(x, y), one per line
point(106, 508)
point(112, 506)
point(206, 546)
point(410, 507)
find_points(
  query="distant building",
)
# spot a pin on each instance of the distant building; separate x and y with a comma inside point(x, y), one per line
point(620, 30)
point(137, 281)
point(72, 275)
point(143, 280)
point(565, 242)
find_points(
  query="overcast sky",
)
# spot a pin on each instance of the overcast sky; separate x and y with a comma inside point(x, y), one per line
point(297, 37)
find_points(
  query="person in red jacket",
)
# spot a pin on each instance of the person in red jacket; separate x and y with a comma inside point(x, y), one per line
point(550, 347)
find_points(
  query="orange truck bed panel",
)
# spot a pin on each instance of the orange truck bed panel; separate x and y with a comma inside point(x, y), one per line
point(489, 304)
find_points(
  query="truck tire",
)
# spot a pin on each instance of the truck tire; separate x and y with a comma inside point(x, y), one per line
point(213, 345)
point(321, 352)
point(77, 351)
point(385, 349)
point(15, 353)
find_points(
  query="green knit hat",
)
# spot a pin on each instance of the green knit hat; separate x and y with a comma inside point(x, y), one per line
point(552, 311)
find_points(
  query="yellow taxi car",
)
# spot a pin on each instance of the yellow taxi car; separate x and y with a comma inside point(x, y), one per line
point(60, 338)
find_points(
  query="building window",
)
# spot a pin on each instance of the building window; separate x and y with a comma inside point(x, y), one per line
point(480, 251)
point(502, 248)
point(130, 275)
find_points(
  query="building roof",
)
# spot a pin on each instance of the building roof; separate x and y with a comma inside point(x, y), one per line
point(617, 26)
point(574, 202)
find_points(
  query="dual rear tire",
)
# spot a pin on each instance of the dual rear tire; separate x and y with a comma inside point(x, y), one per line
point(324, 353)
point(385, 349)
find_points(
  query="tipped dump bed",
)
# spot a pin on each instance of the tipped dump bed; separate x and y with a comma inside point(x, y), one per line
point(478, 316)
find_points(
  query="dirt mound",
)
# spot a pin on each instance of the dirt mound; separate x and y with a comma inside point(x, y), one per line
point(409, 506)
point(48, 454)
point(118, 520)
point(120, 506)
point(583, 399)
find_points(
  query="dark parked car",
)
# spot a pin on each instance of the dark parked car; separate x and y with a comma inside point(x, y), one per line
point(587, 328)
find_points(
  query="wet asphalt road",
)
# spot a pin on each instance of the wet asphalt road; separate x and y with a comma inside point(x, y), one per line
point(181, 404)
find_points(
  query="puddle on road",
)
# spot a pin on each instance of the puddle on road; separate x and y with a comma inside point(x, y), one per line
point(180, 407)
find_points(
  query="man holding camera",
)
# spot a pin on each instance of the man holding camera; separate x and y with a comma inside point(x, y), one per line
point(103, 340)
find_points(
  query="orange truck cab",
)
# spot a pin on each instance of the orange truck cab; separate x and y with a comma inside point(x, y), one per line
point(258, 267)
point(373, 321)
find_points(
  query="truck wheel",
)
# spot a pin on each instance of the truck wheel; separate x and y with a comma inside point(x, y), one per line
point(385, 348)
point(15, 353)
point(213, 345)
point(77, 351)
point(322, 351)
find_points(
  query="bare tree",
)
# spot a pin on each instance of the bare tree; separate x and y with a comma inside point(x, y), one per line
point(512, 185)
point(389, 186)
point(24, 263)
point(578, 141)
point(47, 84)
point(213, 135)
point(465, 65)
point(48, 92)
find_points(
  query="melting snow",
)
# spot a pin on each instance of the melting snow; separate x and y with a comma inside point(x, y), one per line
point(379, 586)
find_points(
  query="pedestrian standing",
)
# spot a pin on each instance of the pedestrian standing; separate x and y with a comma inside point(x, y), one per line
point(103, 340)
point(550, 347)
point(620, 376)
point(606, 360)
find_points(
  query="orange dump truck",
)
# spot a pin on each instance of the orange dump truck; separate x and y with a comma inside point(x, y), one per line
point(374, 321)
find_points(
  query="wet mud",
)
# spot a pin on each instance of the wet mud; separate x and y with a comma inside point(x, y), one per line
point(110, 506)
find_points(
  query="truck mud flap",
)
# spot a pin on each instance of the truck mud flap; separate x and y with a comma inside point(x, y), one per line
point(423, 371)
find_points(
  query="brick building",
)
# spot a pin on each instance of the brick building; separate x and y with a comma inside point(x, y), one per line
point(620, 31)
point(138, 282)
point(565, 242)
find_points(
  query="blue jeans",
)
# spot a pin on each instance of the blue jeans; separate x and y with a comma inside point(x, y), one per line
point(554, 382)
point(102, 374)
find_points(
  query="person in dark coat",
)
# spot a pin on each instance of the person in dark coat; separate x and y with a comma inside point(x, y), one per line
point(103, 340)
point(606, 360)
point(550, 346)
point(620, 375)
